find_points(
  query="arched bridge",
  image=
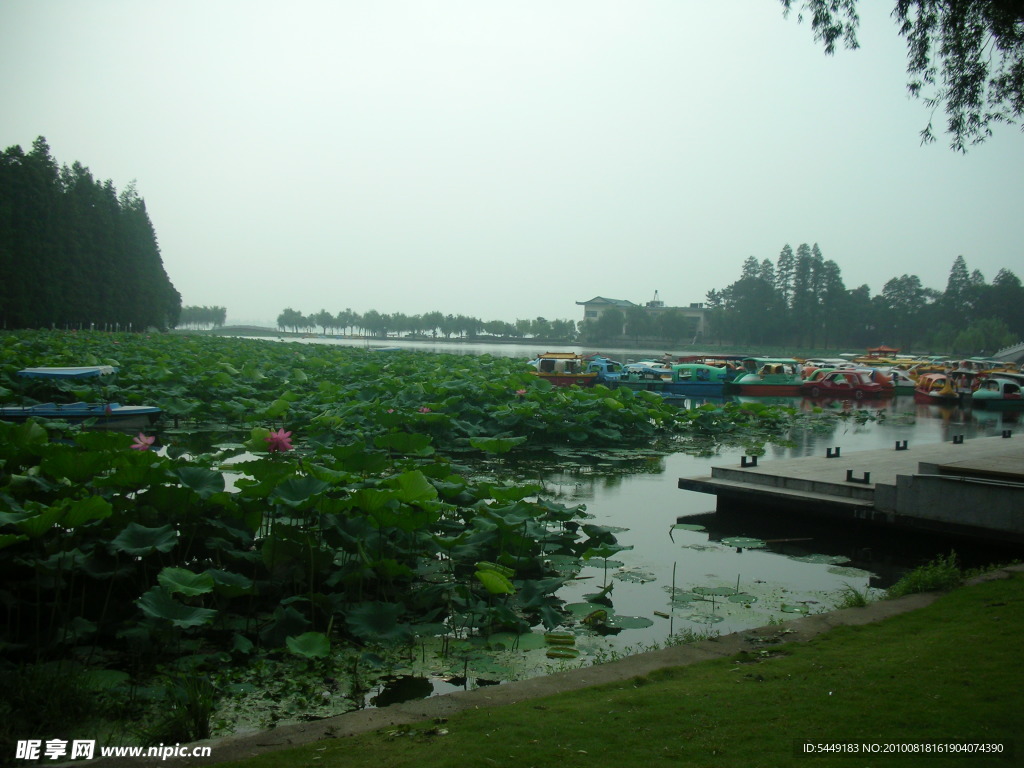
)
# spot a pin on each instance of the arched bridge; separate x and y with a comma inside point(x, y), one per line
point(1014, 352)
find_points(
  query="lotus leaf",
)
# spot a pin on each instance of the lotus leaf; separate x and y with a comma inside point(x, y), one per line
point(562, 652)
point(158, 604)
point(310, 645)
point(635, 575)
point(10, 539)
point(205, 482)
point(744, 542)
point(717, 591)
point(140, 540)
point(629, 622)
point(185, 581)
point(496, 444)
point(705, 618)
point(580, 610)
point(821, 559)
point(296, 490)
point(742, 597)
point(378, 622)
point(495, 583)
point(414, 487)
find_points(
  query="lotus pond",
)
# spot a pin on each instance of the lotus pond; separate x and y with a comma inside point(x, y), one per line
point(318, 528)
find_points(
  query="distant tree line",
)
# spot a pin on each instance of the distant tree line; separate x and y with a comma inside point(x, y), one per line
point(74, 252)
point(432, 324)
point(202, 317)
point(800, 300)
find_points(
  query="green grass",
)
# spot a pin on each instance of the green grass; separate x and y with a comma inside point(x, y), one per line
point(939, 575)
point(948, 672)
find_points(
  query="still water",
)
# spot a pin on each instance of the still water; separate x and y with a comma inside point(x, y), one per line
point(807, 562)
point(667, 574)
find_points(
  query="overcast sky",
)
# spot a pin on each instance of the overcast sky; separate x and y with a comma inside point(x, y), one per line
point(501, 159)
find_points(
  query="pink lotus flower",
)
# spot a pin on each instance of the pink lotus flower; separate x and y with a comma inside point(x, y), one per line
point(279, 441)
point(142, 442)
point(520, 392)
point(424, 409)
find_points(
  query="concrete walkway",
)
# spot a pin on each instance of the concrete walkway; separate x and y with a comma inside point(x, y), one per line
point(972, 487)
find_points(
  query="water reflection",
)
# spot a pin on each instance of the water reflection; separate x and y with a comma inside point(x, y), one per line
point(807, 561)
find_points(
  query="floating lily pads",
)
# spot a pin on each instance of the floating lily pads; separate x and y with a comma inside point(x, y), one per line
point(851, 573)
point(742, 597)
point(716, 591)
point(688, 527)
point(702, 547)
point(629, 622)
point(681, 597)
point(744, 542)
point(562, 652)
point(635, 575)
point(580, 610)
point(705, 618)
point(565, 565)
point(821, 559)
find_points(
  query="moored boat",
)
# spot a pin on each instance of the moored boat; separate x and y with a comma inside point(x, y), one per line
point(96, 415)
point(764, 376)
point(849, 383)
point(113, 416)
point(935, 388)
point(564, 369)
point(1002, 391)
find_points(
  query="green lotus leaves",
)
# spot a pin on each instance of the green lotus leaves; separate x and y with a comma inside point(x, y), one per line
point(140, 540)
point(10, 539)
point(205, 482)
point(605, 550)
point(297, 490)
point(378, 622)
point(185, 582)
point(497, 445)
point(744, 542)
point(628, 622)
point(158, 604)
point(414, 487)
point(821, 559)
point(742, 597)
point(715, 591)
point(310, 645)
point(705, 618)
point(495, 583)
point(231, 584)
point(410, 443)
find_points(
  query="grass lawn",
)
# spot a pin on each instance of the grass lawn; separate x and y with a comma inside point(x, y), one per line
point(950, 672)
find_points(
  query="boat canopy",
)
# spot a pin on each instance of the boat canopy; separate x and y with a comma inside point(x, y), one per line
point(70, 372)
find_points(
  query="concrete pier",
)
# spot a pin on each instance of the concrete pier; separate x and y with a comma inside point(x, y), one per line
point(970, 487)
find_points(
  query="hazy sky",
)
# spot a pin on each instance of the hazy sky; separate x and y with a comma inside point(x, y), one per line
point(501, 159)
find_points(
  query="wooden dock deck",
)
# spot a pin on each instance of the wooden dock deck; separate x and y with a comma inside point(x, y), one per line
point(974, 487)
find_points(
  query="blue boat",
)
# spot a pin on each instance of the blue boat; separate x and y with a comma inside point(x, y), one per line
point(684, 380)
point(102, 415)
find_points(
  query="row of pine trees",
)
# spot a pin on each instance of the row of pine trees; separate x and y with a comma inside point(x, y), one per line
point(75, 253)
